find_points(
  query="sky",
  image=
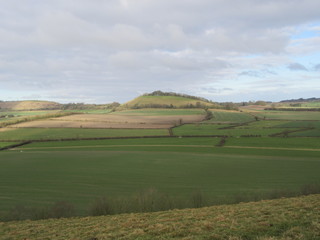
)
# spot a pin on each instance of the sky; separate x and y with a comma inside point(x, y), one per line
point(101, 51)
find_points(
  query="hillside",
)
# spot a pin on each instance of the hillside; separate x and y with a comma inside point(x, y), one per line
point(290, 218)
point(29, 105)
point(160, 99)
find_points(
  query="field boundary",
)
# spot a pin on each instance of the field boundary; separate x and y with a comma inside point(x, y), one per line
point(168, 145)
point(286, 133)
point(15, 145)
point(276, 148)
point(106, 138)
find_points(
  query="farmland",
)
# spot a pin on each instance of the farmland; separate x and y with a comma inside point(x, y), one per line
point(172, 156)
point(156, 119)
point(287, 115)
point(37, 176)
point(67, 133)
point(160, 112)
point(14, 115)
point(230, 116)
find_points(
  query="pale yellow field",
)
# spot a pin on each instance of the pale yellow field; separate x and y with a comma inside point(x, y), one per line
point(111, 121)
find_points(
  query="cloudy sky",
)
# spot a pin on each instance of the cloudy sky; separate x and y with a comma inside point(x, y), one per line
point(100, 51)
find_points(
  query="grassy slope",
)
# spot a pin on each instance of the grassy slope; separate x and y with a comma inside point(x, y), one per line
point(24, 114)
point(230, 116)
point(165, 100)
point(292, 218)
point(29, 105)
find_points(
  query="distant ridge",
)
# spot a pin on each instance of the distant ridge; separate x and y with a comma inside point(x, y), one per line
point(160, 93)
point(159, 99)
point(29, 105)
point(33, 105)
point(302, 100)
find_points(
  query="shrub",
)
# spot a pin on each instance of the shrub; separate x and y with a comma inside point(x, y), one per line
point(310, 189)
point(197, 199)
point(101, 206)
point(62, 209)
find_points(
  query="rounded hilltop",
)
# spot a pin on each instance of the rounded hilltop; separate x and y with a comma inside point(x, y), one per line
point(159, 99)
point(29, 105)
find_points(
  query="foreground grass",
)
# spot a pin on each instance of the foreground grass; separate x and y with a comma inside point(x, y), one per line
point(291, 218)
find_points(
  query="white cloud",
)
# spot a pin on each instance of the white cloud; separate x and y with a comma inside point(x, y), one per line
point(127, 47)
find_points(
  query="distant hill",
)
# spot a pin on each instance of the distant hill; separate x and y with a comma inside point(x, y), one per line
point(302, 100)
point(160, 99)
point(47, 105)
point(29, 105)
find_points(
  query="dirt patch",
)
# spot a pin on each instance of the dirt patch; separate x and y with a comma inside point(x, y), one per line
point(133, 119)
point(6, 129)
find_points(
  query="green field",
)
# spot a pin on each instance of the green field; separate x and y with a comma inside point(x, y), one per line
point(265, 124)
point(276, 142)
point(311, 104)
point(260, 146)
point(288, 115)
point(215, 129)
point(37, 178)
point(20, 114)
point(63, 133)
point(249, 162)
point(137, 142)
point(230, 117)
point(301, 124)
point(198, 129)
point(307, 133)
point(4, 144)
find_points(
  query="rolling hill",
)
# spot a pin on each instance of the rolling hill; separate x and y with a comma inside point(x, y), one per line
point(287, 218)
point(160, 99)
point(29, 105)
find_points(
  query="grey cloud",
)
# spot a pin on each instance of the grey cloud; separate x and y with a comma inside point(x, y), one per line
point(123, 46)
point(215, 90)
point(297, 67)
point(250, 74)
point(257, 74)
point(317, 67)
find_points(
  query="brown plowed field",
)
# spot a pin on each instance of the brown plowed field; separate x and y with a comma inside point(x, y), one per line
point(111, 121)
